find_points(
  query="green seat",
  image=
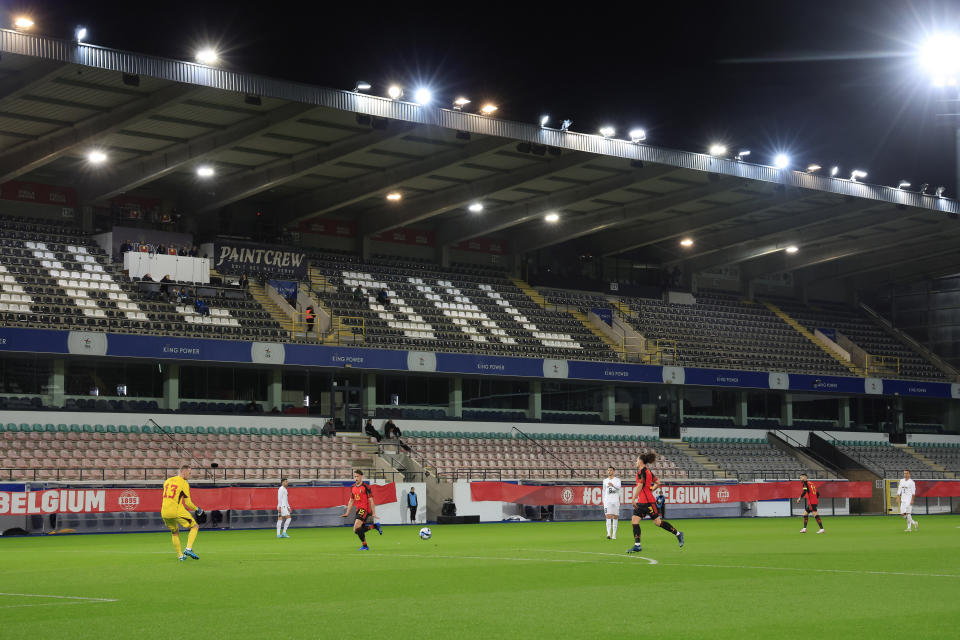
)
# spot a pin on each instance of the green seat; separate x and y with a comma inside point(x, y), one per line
point(24, 426)
point(122, 428)
point(112, 428)
point(284, 431)
point(99, 428)
point(87, 428)
point(190, 430)
point(234, 431)
point(244, 431)
point(178, 429)
point(49, 427)
point(222, 431)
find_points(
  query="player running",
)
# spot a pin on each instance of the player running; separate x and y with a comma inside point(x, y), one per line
point(906, 489)
point(362, 497)
point(173, 510)
point(283, 510)
point(645, 504)
point(812, 495)
point(611, 502)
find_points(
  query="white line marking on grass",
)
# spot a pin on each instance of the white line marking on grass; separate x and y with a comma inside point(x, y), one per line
point(486, 558)
point(875, 573)
point(613, 555)
point(66, 600)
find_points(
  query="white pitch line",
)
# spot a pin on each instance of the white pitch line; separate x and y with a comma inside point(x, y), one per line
point(66, 600)
point(613, 555)
point(859, 571)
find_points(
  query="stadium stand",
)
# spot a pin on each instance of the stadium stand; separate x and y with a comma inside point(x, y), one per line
point(944, 454)
point(751, 457)
point(122, 452)
point(862, 331)
point(458, 455)
point(886, 459)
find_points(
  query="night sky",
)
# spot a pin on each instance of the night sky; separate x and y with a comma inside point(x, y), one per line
point(826, 82)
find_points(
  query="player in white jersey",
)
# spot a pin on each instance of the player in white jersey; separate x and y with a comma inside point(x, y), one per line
point(611, 502)
point(283, 510)
point(906, 489)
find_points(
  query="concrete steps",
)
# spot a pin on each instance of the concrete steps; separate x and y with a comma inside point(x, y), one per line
point(585, 321)
point(703, 460)
point(259, 294)
point(855, 370)
point(927, 461)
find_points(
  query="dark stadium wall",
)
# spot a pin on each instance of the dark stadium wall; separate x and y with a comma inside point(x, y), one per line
point(330, 243)
point(402, 250)
point(48, 212)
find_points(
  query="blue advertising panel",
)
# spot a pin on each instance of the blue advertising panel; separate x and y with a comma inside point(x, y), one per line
point(830, 333)
point(831, 384)
point(614, 371)
point(160, 347)
point(604, 314)
point(727, 378)
point(35, 340)
point(489, 365)
point(325, 356)
point(916, 388)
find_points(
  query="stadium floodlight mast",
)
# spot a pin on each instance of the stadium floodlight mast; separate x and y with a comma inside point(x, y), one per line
point(637, 135)
point(717, 149)
point(207, 56)
point(792, 249)
point(857, 174)
point(205, 171)
point(23, 23)
point(552, 217)
point(544, 119)
point(476, 207)
point(81, 34)
point(607, 131)
point(813, 168)
point(940, 191)
point(422, 96)
point(565, 125)
point(460, 103)
point(742, 154)
point(903, 184)
point(96, 157)
point(362, 85)
point(394, 196)
point(834, 171)
point(488, 109)
point(939, 57)
point(686, 242)
point(781, 161)
point(395, 92)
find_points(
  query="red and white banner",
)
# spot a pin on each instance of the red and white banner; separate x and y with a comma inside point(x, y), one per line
point(674, 494)
point(937, 488)
point(115, 500)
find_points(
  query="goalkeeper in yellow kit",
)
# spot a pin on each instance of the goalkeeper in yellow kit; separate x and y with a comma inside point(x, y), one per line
point(176, 501)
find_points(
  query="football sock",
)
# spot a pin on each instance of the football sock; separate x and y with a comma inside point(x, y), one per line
point(819, 523)
point(286, 523)
point(362, 535)
point(636, 533)
point(176, 543)
point(666, 526)
point(279, 524)
point(805, 521)
point(191, 537)
point(609, 526)
point(614, 521)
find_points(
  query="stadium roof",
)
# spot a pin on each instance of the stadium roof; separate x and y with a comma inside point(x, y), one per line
point(302, 151)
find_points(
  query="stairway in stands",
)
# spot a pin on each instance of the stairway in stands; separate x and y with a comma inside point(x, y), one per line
point(259, 294)
point(320, 284)
point(535, 295)
point(703, 460)
point(373, 463)
point(927, 461)
point(854, 369)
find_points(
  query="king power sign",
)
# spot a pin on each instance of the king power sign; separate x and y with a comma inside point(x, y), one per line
point(251, 258)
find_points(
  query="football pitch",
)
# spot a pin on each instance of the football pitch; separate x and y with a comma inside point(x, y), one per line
point(739, 578)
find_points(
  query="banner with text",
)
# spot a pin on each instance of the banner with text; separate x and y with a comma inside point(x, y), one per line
point(251, 258)
point(118, 500)
point(674, 494)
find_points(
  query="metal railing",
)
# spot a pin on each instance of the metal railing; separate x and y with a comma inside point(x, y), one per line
point(882, 365)
point(103, 474)
point(668, 476)
point(346, 330)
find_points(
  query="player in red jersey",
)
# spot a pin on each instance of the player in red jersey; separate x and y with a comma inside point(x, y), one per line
point(645, 503)
point(812, 495)
point(362, 497)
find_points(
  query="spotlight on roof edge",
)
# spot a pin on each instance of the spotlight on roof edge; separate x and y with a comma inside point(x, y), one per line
point(207, 56)
point(362, 85)
point(476, 207)
point(940, 191)
point(23, 23)
point(637, 135)
point(488, 108)
point(607, 131)
point(686, 242)
point(903, 184)
point(460, 103)
point(856, 174)
point(834, 171)
point(205, 171)
point(781, 161)
point(394, 196)
point(544, 120)
point(565, 125)
point(792, 249)
point(743, 154)
point(940, 57)
point(422, 96)
point(81, 34)
point(97, 157)
point(551, 217)
point(813, 168)
point(718, 149)
point(395, 92)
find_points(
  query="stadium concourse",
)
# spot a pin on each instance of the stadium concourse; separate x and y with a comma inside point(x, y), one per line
point(236, 272)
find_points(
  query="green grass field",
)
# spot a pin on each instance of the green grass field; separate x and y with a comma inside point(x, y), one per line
point(740, 578)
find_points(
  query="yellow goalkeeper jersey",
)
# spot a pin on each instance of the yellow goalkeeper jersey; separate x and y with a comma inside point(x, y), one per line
point(176, 492)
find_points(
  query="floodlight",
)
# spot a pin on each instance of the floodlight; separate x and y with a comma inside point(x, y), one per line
point(97, 157)
point(362, 85)
point(544, 120)
point(476, 207)
point(23, 23)
point(81, 34)
point(813, 168)
point(857, 173)
point(565, 125)
point(903, 184)
point(395, 92)
point(394, 196)
point(460, 102)
point(792, 249)
point(205, 171)
point(637, 135)
point(207, 56)
point(488, 108)
point(422, 96)
point(743, 154)
point(781, 161)
point(923, 188)
point(834, 171)
point(718, 149)
point(607, 131)
point(551, 217)
point(940, 191)
point(686, 242)
point(940, 57)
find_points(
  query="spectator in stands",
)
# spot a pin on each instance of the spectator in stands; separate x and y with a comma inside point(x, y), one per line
point(253, 407)
point(161, 248)
point(146, 278)
point(125, 246)
point(194, 252)
point(358, 294)
point(391, 431)
point(310, 316)
point(244, 281)
point(182, 296)
point(328, 429)
point(382, 297)
point(201, 306)
point(371, 430)
point(171, 250)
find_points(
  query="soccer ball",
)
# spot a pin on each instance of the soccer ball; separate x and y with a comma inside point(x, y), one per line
point(425, 533)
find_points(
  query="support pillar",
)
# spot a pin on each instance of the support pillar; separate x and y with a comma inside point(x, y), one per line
point(535, 407)
point(275, 390)
point(368, 400)
point(741, 418)
point(608, 412)
point(844, 417)
point(55, 385)
point(443, 256)
point(786, 411)
point(171, 386)
point(455, 405)
point(679, 392)
point(365, 250)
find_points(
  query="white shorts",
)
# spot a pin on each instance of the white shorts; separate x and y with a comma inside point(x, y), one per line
point(905, 508)
point(611, 508)
point(284, 511)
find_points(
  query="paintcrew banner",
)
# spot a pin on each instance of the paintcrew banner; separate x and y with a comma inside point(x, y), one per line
point(241, 257)
point(119, 500)
point(674, 494)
